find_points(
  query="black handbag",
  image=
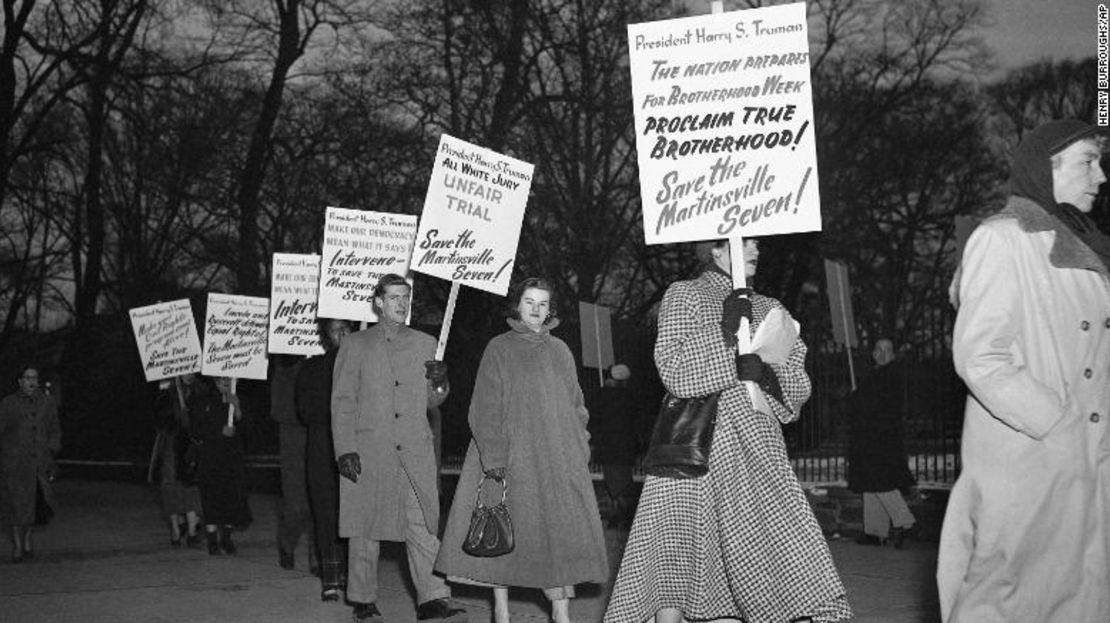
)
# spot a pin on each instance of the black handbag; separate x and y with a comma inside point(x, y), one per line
point(682, 437)
point(491, 528)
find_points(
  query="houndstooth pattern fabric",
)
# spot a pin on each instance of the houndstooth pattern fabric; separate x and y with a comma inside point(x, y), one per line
point(740, 542)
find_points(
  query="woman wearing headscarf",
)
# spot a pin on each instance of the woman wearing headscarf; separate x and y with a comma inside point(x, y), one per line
point(1025, 536)
point(740, 542)
point(528, 419)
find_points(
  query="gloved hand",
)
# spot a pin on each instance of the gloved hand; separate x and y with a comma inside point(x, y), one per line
point(496, 473)
point(350, 466)
point(749, 367)
point(736, 305)
point(435, 371)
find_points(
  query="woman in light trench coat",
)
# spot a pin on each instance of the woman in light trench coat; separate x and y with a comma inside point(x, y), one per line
point(1026, 535)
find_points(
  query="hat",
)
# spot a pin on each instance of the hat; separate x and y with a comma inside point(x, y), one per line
point(620, 372)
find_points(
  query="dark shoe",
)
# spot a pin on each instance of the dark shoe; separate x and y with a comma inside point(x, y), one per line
point(226, 543)
point(17, 557)
point(192, 540)
point(440, 610)
point(367, 613)
point(175, 542)
point(213, 543)
point(285, 559)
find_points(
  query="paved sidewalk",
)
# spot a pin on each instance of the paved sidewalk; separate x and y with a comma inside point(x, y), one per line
point(106, 557)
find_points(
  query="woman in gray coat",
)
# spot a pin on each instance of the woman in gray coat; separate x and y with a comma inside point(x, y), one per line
point(528, 420)
point(29, 439)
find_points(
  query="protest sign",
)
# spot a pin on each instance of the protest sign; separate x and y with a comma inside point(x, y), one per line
point(470, 226)
point(235, 330)
point(840, 310)
point(724, 125)
point(166, 335)
point(359, 247)
point(595, 323)
point(294, 281)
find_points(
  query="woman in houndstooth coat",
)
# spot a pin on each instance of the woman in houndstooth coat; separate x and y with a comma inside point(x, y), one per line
point(740, 542)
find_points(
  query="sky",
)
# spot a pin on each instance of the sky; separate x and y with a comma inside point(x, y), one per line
point(1023, 31)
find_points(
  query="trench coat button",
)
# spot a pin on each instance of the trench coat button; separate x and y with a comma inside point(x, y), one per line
point(1084, 325)
point(396, 383)
point(398, 447)
point(396, 415)
point(1107, 323)
point(1087, 373)
point(1095, 418)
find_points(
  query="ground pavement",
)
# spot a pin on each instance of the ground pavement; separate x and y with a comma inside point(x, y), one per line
point(106, 557)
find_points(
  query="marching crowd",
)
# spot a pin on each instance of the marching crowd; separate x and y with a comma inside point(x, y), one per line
point(1024, 538)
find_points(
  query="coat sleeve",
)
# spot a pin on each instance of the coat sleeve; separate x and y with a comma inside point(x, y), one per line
point(986, 339)
point(487, 415)
point(690, 351)
point(794, 382)
point(344, 398)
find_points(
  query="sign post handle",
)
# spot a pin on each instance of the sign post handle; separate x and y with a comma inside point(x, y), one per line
point(180, 392)
point(230, 406)
point(740, 280)
point(448, 314)
point(842, 292)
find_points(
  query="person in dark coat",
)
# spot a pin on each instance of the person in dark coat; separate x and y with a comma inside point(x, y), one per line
point(296, 517)
point(313, 400)
point(221, 474)
point(528, 418)
point(176, 461)
point(29, 438)
point(613, 422)
point(877, 465)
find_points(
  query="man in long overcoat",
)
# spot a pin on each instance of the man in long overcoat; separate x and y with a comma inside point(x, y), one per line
point(385, 381)
point(1025, 537)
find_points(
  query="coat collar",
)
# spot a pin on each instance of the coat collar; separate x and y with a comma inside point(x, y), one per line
point(522, 330)
point(1068, 251)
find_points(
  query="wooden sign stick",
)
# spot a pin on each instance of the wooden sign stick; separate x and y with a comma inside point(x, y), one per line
point(230, 405)
point(448, 314)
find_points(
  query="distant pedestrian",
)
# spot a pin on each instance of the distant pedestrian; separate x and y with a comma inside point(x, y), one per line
point(877, 465)
point(528, 419)
point(30, 437)
point(221, 472)
point(385, 381)
point(1025, 534)
point(613, 422)
point(176, 459)
point(313, 397)
point(296, 516)
point(740, 542)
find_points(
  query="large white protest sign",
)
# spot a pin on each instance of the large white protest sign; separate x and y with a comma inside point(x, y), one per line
point(295, 280)
point(360, 247)
point(167, 338)
point(470, 226)
point(235, 330)
point(724, 125)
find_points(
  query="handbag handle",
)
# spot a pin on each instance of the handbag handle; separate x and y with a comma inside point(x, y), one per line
point(478, 493)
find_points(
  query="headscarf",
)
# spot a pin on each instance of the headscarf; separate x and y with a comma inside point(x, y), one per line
point(1031, 177)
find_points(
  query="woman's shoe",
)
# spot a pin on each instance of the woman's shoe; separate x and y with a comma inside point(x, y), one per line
point(329, 594)
point(192, 540)
point(17, 557)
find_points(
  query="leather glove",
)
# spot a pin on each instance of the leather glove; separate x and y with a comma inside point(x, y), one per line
point(496, 473)
point(435, 371)
point(350, 466)
point(736, 305)
point(749, 367)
